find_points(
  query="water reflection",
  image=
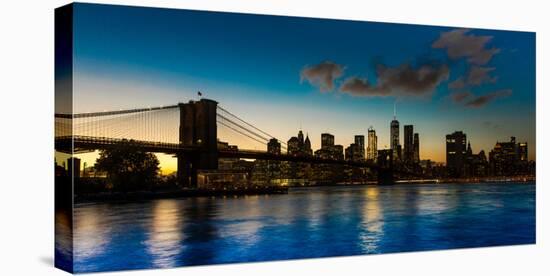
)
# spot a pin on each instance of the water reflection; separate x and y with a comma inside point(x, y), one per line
point(165, 234)
point(436, 201)
point(372, 221)
point(63, 239)
point(242, 223)
point(308, 222)
point(200, 231)
point(92, 232)
point(316, 207)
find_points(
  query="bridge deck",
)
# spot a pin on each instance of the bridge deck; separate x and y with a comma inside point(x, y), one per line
point(84, 143)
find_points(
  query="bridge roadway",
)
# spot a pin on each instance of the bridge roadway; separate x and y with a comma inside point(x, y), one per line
point(86, 143)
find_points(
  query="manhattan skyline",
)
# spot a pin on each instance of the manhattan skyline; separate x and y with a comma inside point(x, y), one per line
point(290, 74)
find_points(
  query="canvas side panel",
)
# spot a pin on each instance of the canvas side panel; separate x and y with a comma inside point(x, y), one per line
point(65, 165)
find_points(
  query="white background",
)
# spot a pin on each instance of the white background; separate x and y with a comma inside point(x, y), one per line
point(26, 136)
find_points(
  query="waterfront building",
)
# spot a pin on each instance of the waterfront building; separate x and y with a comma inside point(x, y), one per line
point(456, 153)
point(298, 146)
point(372, 150)
point(509, 158)
point(350, 152)
point(328, 172)
point(338, 152)
point(426, 167)
point(522, 152)
point(360, 144)
point(399, 156)
point(307, 147)
point(328, 149)
point(327, 140)
point(477, 165)
point(273, 146)
point(408, 152)
point(354, 153)
point(394, 138)
point(416, 147)
point(293, 146)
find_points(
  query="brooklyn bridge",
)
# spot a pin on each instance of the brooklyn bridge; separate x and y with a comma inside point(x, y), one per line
point(188, 131)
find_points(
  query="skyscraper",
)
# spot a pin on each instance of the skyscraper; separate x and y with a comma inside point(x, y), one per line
point(351, 152)
point(360, 144)
point(416, 146)
point(394, 137)
point(328, 149)
point(456, 153)
point(408, 141)
point(356, 151)
point(293, 146)
point(399, 153)
point(372, 150)
point(301, 137)
point(307, 146)
point(327, 140)
point(523, 158)
point(508, 158)
point(296, 145)
point(274, 147)
point(522, 151)
point(338, 152)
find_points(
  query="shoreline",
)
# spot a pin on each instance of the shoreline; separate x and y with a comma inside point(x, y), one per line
point(269, 190)
point(429, 181)
point(145, 195)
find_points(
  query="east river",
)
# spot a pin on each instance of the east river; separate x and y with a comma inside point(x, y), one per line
point(305, 223)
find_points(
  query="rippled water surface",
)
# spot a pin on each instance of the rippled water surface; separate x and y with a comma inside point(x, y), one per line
point(307, 222)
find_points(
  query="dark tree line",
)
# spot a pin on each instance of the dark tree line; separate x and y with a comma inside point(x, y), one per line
point(128, 169)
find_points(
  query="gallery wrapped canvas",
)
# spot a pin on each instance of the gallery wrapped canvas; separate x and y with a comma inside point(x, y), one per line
point(194, 138)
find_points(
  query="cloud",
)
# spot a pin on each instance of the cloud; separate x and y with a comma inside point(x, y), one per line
point(322, 75)
point(423, 76)
point(483, 100)
point(489, 124)
point(461, 96)
point(477, 75)
point(400, 80)
point(460, 44)
point(457, 84)
point(361, 87)
point(468, 99)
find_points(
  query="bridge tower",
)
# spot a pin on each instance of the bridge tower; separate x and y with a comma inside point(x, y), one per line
point(198, 129)
point(385, 167)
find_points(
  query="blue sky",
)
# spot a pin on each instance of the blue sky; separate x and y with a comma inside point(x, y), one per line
point(273, 71)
